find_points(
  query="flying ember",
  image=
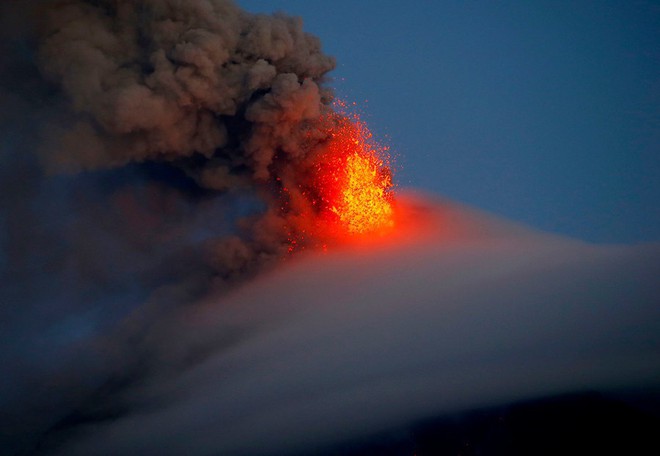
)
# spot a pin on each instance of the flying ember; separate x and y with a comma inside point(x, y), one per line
point(346, 192)
point(355, 179)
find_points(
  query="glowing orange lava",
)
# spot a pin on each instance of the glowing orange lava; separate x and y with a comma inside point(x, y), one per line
point(355, 180)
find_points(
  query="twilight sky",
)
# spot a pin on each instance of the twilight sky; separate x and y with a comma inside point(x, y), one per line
point(544, 112)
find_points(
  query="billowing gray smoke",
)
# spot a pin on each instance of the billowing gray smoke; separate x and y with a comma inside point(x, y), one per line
point(231, 98)
point(169, 80)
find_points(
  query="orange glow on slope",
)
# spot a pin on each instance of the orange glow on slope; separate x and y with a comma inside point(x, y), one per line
point(355, 180)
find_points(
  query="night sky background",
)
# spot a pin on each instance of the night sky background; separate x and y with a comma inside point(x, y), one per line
point(544, 112)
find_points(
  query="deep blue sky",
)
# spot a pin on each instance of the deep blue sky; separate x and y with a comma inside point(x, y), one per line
point(544, 112)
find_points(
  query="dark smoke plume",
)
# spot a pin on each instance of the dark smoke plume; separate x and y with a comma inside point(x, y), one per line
point(231, 98)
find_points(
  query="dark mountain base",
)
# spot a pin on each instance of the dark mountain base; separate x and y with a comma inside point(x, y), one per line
point(573, 424)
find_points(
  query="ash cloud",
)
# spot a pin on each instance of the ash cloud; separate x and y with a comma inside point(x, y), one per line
point(232, 99)
point(167, 80)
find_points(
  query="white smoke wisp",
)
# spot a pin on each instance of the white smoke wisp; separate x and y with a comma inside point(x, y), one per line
point(354, 342)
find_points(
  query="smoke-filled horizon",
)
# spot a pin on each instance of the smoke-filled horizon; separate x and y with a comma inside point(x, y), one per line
point(157, 160)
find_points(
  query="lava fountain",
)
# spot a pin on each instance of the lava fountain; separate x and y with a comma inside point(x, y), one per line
point(357, 181)
point(349, 194)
